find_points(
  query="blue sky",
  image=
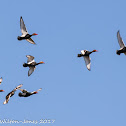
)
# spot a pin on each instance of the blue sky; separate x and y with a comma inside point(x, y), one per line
point(71, 95)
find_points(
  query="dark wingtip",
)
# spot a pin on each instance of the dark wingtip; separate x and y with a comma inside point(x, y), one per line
point(89, 69)
point(118, 31)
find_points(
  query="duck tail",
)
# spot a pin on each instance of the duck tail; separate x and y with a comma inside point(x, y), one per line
point(79, 55)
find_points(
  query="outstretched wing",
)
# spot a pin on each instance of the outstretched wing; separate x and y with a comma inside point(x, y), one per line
point(37, 90)
point(22, 26)
point(30, 59)
point(120, 41)
point(31, 70)
point(31, 41)
point(23, 90)
point(11, 94)
point(87, 62)
point(19, 86)
point(7, 98)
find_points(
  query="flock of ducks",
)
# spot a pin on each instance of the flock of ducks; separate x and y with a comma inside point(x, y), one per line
point(85, 53)
point(32, 64)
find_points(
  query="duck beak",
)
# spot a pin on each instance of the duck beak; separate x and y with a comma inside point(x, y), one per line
point(95, 51)
point(41, 62)
point(34, 34)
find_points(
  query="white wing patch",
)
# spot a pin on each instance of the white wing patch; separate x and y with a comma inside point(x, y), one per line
point(30, 59)
point(31, 62)
point(83, 52)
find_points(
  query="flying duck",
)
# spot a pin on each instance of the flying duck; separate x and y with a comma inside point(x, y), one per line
point(122, 45)
point(1, 79)
point(25, 34)
point(85, 54)
point(11, 94)
point(31, 64)
point(25, 93)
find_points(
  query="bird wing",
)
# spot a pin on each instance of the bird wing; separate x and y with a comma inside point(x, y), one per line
point(23, 90)
point(7, 98)
point(30, 59)
point(11, 93)
point(120, 41)
point(19, 86)
point(31, 41)
point(20, 89)
point(87, 62)
point(31, 70)
point(83, 52)
point(39, 89)
point(1, 79)
point(22, 26)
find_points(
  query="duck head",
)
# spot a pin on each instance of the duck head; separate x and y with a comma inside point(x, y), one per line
point(1, 90)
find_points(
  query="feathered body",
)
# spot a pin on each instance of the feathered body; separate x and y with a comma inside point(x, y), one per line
point(25, 34)
point(25, 93)
point(85, 54)
point(31, 64)
point(122, 45)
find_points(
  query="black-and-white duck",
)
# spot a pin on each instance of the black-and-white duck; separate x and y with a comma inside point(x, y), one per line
point(11, 94)
point(85, 54)
point(31, 64)
point(25, 93)
point(25, 34)
point(122, 45)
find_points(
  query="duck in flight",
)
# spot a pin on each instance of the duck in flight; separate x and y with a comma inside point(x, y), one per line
point(31, 64)
point(11, 93)
point(85, 54)
point(25, 93)
point(25, 35)
point(122, 45)
point(1, 79)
